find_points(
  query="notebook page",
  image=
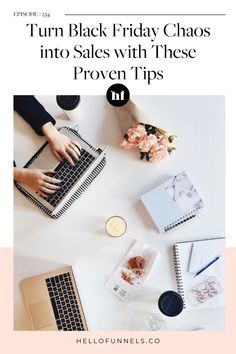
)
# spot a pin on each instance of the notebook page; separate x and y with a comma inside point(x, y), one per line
point(202, 254)
point(217, 270)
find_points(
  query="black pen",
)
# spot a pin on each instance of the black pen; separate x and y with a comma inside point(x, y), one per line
point(208, 265)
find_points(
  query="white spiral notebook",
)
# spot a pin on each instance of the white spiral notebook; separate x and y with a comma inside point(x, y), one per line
point(207, 289)
point(173, 202)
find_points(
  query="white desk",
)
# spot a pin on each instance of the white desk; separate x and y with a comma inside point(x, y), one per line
point(43, 244)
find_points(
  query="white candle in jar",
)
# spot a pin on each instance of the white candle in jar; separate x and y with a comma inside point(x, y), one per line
point(116, 226)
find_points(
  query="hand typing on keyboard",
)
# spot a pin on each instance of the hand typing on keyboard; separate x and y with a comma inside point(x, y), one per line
point(38, 180)
point(61, 145)
point(69, 175)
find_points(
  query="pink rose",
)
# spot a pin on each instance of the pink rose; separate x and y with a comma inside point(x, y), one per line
point(127, 145)
point(158, 153)
point(148, 142)
point(135, 135)
point(163, 140)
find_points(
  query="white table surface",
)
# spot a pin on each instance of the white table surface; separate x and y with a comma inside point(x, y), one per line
point(78, 238)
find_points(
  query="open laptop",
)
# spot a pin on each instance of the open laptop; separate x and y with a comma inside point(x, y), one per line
point(75, 178)
point(53, 302)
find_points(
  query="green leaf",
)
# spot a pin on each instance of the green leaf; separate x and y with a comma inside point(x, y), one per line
point(171, 149)
point(171, 138)
point(142, 155)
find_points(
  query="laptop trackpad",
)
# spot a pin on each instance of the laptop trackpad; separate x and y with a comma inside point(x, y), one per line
point(41, 314)
point(46, 160)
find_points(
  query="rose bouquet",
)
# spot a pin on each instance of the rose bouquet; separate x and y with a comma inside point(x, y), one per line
point(154, 144)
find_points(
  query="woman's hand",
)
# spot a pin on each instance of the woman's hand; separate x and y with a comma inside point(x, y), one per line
point(61, 145)
point(38, 180)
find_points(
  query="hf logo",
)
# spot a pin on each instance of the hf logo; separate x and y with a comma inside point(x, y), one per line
point(118, 95)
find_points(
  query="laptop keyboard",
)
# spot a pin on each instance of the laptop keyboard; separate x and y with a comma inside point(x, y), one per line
point(70, 175)
point(64, 303)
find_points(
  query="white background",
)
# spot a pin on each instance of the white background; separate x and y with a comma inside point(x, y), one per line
point(78, 237)
point(24, 73)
